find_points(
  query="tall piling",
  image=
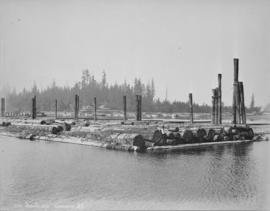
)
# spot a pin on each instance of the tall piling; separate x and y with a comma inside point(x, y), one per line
point(235, 92)
point(3, 106)
point(55, 109)
point(242, 106)
point(34, 107)
point(213, 107)
point(191, 107)
point(125, 107)
point(138, 107)
point(219, 100)
point(216, 106)
point(95, 108)
point(77, 104)
point(140, 97)
point(75, 107)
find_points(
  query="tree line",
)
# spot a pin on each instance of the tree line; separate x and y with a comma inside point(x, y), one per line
point(109, 95)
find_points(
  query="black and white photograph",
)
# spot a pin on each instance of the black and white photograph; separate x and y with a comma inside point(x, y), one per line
point(134, 105)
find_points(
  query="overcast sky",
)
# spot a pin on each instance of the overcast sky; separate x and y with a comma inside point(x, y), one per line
point(182, 45)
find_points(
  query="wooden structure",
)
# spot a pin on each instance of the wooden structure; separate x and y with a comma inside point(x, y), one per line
point(219, 100)
point(191, 107)
point(95, 105)
point(55, 109)
point(34, 107)
point(125, 107)
point(217, 103)
point(3, 106)
point(138, 107)
point(239, 111)
point(77, 106)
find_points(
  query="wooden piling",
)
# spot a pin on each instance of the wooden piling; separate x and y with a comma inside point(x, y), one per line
point(191, 107)
point(138, 107)
point(3, 106)
point(125, 107)
point(76, 112)
point(213, 107)
point(140, 97)
point(34, 107)
point(75, 107)
point(216, 106)
point(219, 100)
point(95, 107)
point(235, 92)
point(242, 106)
point(55, 109)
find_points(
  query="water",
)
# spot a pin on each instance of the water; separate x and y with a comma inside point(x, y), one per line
point(50, 175)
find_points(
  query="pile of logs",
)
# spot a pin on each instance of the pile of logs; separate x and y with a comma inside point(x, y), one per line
point(199, 135)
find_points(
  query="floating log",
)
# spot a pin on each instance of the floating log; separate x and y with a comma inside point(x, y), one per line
point(239, 132)
point(128, 139)
point(6, 124)
point(158, 137)
point(201, 134)
point(188, 136)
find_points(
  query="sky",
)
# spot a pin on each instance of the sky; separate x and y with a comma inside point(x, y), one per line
point(182, 45)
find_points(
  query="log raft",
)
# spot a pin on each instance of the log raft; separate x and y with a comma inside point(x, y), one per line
point(131, 137)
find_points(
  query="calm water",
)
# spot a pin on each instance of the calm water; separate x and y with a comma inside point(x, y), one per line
point(56, 175)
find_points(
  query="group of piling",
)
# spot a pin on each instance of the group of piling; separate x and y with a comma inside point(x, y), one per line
point(239, 111)
point(217, 103)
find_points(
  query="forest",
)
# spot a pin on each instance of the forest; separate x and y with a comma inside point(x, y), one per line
point(109, 95)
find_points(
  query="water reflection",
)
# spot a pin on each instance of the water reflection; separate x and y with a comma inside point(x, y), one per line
point(61, 173)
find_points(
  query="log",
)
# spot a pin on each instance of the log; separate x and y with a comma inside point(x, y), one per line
point(188, 136)
point(128, 139)
point(201, 134)
point(158, 137)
